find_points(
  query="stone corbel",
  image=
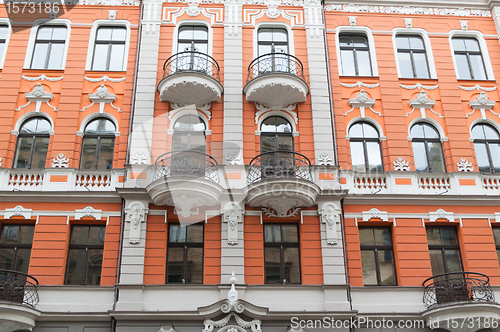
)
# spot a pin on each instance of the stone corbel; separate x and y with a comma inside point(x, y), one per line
point(362, 101)
point(18, 211)
point(135, 214)
point(330, 216)
point(88, 212)
point(102, 97)
point(482, 103)
point(441, 214)
point(233, 216)
point(38, 96)
point(422, 102)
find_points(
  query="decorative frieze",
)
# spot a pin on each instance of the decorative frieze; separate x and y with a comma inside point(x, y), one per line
point(441, 214)
point(419, 86)
point(18, 211)
point(281, 207)
point(423, 102)
point(135, 214)
point(38, 95)
point(477, 87)
point(105, 79)
point(360, 84)
point(482, 103)
point(42, 78)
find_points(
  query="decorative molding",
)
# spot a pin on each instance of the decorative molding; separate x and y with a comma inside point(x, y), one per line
point(408, 23)
point(254, 325)
point(140, 158)
point(352, 21)
point(135, 214)
point(193, 10)
point(423, 102)
point(482, 103)
point(362, 101)
point(39, 96)
point(375, 213)
point(464, 25)
point(407, 10)
point(330, 216)
point(477, 87)
point(360, 84)
point(61, 161)
point(465, 166)
point(171, 14)
point(42, 78)
point(105, 2)
point(168, 328)
point(88, 212)
point(105, 79)
point(186, 205)
point(284, 108)
point(233, 216)
point(234, 158)
point(401, 165)
point(419, 86)
point(441, 214)
point(272, 11)
point(112, 14)
point(102, 97)
point(18, 211)
point(324, 159)
point(200, 108)
point(281, 207)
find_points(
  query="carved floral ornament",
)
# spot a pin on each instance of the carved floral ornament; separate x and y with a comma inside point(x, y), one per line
point(423, 103)
point(465, 166)
point(102, 97)
point(401, 165)
point(135, 214)
point(18, 211)
point(325, 159)
point(330, 216)
point(88, 212)
point(375, 214)
point(362, 101)
point(61, 161)
point(441, 214)
point(38, 95)
point(233, 216)
point(281, 207)
point(482, 103)
point(140, 158)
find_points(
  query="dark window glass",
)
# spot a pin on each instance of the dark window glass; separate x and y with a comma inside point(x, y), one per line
point(85, 255)
point(109, 48)
point(412, 56)
point(185, 254)
point(496, 236)
point(189, 134)
point(276, 134)
point(469, 59)
point(48, 52)
point(377, 256)
point(15, 247)
point(444, 250)
point(98, 145)
point(427, 150)
point(366, 154)
point(281, 254)
point(487, 146)
point(355, 55)
point(32, 143)
point(272, 40)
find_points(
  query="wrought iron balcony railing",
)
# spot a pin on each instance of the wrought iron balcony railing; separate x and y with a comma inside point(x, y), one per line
point(18, 287)
point(457, 287)
point(279, 164)
point(192, 61)
point(186, 163)
point(272, 63)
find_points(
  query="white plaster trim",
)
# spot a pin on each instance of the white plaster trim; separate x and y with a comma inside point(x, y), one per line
point(419, 86)
point(31, 42)
point(291, 44)
point(371, 43)
point(430, 121)
point(441, 214)
point(192, 22)
point(330, 216)
point(112, 23)
point(369, 120)
point(283, 114)
point(17, 211)
point(428, 48)
point(232, 214)
point(477, 87)
point(5, 21)
point(135, 213)
point(171, 14)
point(360, 84)
point(492, 123)
point(42, 78)
point(94, 116)
point(375, 213)
point(88, 211)
point(23, 118)
point(175, 114)
point(425, 216)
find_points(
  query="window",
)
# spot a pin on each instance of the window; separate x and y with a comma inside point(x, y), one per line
point(469, 59)
point(193, 38)
point(444, 250)
point(272, 40)
point(98, 145)
point(496, 236)
point(487, 146)
point(281, 254)
point(48, 52)
point(377, 256)
point(185, 254)
point(412, 56)
point(427, 150)
point(355, 55)
point(32, 143)
point(109, 48)
point(189, 134)
point(366, 154)
point(86, 245)
point(276, 135)
point(4, 34)
point(15, 247)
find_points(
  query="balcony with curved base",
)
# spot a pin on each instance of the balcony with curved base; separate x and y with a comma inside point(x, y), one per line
point(459, 302)
point(190, 78)
point(281, 182)
point(187, 180)
point(18, 297)
point(276, 80)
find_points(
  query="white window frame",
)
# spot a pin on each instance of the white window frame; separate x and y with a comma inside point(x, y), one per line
point(192, 22)
point(431, 122)
point(371, 121)
point(7, 22)
point(428, 49)
point(371, 45)
point(482, 45)
point(102, 23)
point(486, 121)
point(94, 116)
point(291, 45)
point(25, 117)
point(34, 30)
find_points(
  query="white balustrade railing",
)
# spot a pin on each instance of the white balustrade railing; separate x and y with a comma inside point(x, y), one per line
point(434, 182)
point(370, 181)
point(26, 179)
point(490, 184)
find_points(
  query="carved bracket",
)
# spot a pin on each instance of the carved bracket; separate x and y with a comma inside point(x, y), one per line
point(135, 214)
point(88, 212)
point(233, 216)
point(38, 95)
point(441, 214)
point(18, 211)
point(102, 97)
point(482, 103)
point(362, 101)
point(423, 102)
point(330, 216)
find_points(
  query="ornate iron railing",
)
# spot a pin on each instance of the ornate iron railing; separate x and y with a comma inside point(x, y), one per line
point(275, 63)
point(279, 164)
point(18, 287)
point(457, 287)
point(192, 61)
point(186, 163)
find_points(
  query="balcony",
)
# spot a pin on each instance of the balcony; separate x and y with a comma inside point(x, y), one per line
point(187, 180)
point(190, 78)
point(276, 80)
point(18, 297)
point(459, 301)
point(281, 181)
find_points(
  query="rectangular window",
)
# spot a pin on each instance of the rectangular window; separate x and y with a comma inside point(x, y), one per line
point(281, 254)
point(185, 254)
point(4, 33)
point(377, 256)
point(355, 55)
point(48, 52)
point(109, 48)
point(444, 250)
point(469, 59)
point(85, 255)
point(15, 247)
point(412, 56)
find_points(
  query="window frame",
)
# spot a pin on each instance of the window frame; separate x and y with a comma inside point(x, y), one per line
point(497, 243)
point(33, 143)
point(276, 134)
point(16, 246)
point(371, 45)
point(443, 247)
point(490, 76)
point(428, 49)
point(411, 52)
point(273, 25)
point(425, 141)
point(110, 44)
point(175, 42)
point(98, 147)
point(486, 142)
point(364, 140)
point(5, 22)
point(354, 49)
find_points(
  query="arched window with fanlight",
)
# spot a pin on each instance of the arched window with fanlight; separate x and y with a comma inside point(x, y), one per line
point(276, 135)
point(98, 144)
point(366, 155)
point(32, 143)
point(189, 134)
point(487, 146)
point(427, 150)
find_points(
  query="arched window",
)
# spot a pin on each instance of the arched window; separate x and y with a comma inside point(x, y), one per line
point(98, 145)
point(427, 150)
point(32, 143)
point(366, 154)
point(487, 146)
point(189, 134)
point(276, 135)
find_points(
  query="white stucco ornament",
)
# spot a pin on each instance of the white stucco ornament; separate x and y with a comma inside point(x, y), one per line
point(233, 216)
point(330, 216)
point(135, 214)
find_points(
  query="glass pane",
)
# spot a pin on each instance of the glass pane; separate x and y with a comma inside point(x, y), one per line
point(368, 265)
point(382, 236)
point(186, 32)
point(56, 56)
point(490, 132)
point(347, 61)
point(200, 33)
point(433, 235)
point(448, 236)
point(100, 126)
point(3, 32)
point(194, 273)
point(366, 236)
point(23, 152)
point(195, 233)
point(265, 35)
point(88, 153)
point(6, 258)
point(97, 234)
point(180, 141)
point(264, 49)
point(364, 65)
point(285, 143)
point(100, 57)
point(496, 235)
point(421, 67)
point(386, 265)
point(374, 157)
point(94, 267)
point(436, 157)
point(356, 130)
point(369, 131)
point(402, 42)
point(429, 131)
point(272, 273)
point(10, 234)
point(282, 125)
point(471, 44)
point(175, 264)
point(419, 155)
point(345, 40)
point(416, 43)
point(119, 34)
point(59, 33)
point(79, 235)
point(76, 264)
point(104, 34)
point(272, 233)
point(478, 132)
point(358, 157)
point(453, 263)
point(267, 143)
point(116, 58)
point(417, 131)
point(476, 62)
point(39, 56)
point(35, 125)
point(405, 65)
point(177, 233)
point(483, 162)
point(279, 35)
point(292, 266)
point(289, 233)
point(458, 44)
point(495, 156)
point(462, 66)
point(40, 152)
point(26, 234)
point(105, 158)
point(44, 33)
point(437, 263)
point(359, 41)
